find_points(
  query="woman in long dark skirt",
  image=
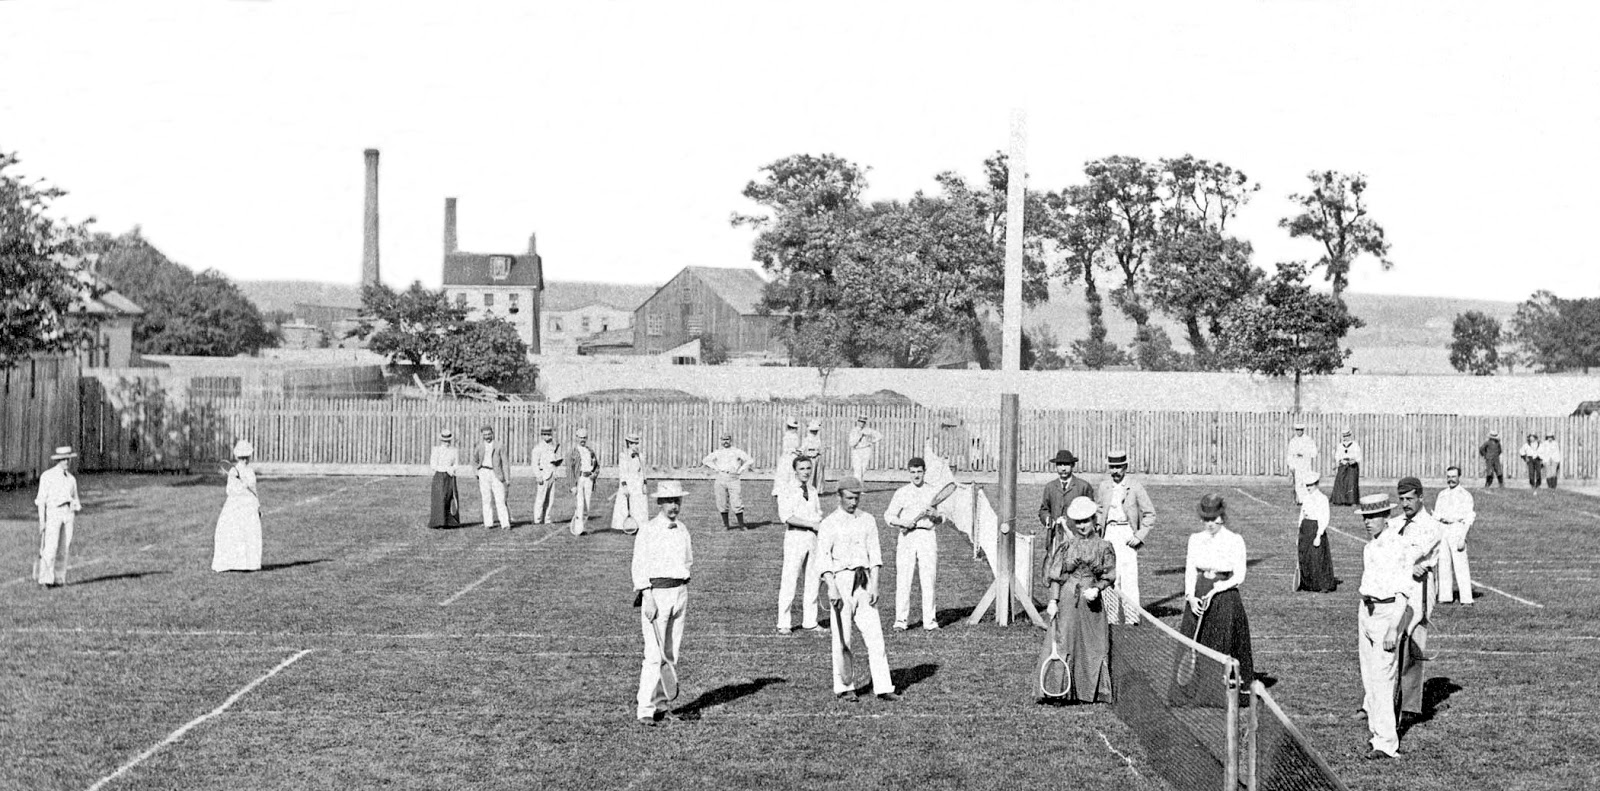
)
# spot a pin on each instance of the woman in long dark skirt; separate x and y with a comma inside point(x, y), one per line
point(444, 503)
point(1213, 614)
point(1315, 570)
point(1347, 482)
point(1079, 570)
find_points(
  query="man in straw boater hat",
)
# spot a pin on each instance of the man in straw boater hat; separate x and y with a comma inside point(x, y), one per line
point(850, 557)
point(547, 470)
point(57, 502)
point(1490, 452)
point(1126, 515)
point(811, 448)
point(585, 466)
point(444, 501)
point(862, 442)
point(1301, 454)
point(631, 509)
point(662, 558)
point(1423, 536)
point(490, 460)
point(729, 463)
point(800, 510)
point(1383, 615)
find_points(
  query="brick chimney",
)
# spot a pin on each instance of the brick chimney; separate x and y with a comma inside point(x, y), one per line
point(369, 237)
point(533, 244)
point(450, 226)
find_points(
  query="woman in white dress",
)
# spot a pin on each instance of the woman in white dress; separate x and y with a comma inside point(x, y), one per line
point(238, 542)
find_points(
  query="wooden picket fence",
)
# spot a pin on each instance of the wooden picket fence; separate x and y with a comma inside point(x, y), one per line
point(38, 412)
point(150, 430)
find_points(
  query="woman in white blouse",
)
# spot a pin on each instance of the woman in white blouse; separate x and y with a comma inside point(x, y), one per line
point(1314, 571)
point(1213, 613)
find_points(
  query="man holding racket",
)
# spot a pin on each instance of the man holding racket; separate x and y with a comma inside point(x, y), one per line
point(662, 556)
point(849, 555)
point(1386, 590)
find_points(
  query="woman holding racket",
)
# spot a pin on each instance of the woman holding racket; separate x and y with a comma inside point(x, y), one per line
point(1213, 615)
point(1075, 662)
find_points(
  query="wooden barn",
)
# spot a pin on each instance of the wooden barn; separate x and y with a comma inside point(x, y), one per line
point(714, 302)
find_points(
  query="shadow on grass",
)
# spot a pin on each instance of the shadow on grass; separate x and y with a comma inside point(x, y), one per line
point(1162, 608)
point(905, 677)
point(950, 615)
point(131, 575)
point(1436, 694)
point(291, 564)
point(725, 694)
point(203, 479)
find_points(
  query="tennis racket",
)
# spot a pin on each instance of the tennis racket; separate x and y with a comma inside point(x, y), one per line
point(1187, 662)
point(1055, 675)
point(669, 666)
point(837, 606)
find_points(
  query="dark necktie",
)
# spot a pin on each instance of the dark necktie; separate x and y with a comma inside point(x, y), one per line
point(804, 495)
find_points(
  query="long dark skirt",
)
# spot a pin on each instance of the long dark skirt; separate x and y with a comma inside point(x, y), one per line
point(1083, 638)
point(1198, 680)
point(445, 505)
point(1347, 486)
point(1316, 563)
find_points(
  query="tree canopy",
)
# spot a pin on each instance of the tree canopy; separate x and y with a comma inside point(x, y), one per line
point(420, 325)
point(185, 313)
point(1334, 214)
point(1556, 334)
point(1287, 329)
point(44, 271)
point(1475, 344)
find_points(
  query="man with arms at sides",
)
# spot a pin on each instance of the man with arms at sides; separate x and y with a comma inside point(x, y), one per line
point(58, 505)
point(1550, 459)
point(1058, 494)
point(1386, 588)
point(547, 459)
point(585, 466)
point(914, 509)
point(1530, 458)
point(1300, 455)
point(729, 463)
point(1490, 452)
point(811, 448)
point(662, 558)
point(800, 510)
point(490, 459)
point(1456, 512)
point(1422, 535)
point(850, 557)
point(1126, 515)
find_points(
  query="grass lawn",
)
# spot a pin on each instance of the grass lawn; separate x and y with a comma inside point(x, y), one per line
point(486, 659)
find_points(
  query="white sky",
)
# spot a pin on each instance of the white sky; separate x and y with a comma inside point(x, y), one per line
point(623, 132)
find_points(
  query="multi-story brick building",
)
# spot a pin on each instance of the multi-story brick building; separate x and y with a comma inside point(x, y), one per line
point(495, 284)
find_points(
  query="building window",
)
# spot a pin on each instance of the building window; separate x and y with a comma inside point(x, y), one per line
point(515, 306)
point(585, 323)
point(488, 300)
point(605, 324)
point(652, 324)
point(555, 324)
point(687, 289)
point(461, 299)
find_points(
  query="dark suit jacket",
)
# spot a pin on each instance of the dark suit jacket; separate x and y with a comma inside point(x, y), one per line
point(501, 464)
point(1056, 499)
point(1137, 505)
point(575, 464)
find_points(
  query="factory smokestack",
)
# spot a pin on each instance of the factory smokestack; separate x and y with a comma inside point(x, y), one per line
point(450, 226)
point(369, 240)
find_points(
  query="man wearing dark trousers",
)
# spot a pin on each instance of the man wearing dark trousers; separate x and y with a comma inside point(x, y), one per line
point(1490, 451)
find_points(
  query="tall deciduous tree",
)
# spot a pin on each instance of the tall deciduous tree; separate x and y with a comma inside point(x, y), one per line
point(408, 325)
point(1556, 334)
point(487, 351)
point(1288, 330)
point(1334, 214)
point(44, 270)
point(1475, 344)
point(185, 313)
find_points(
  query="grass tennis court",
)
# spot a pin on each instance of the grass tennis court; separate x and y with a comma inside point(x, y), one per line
point(473, 658)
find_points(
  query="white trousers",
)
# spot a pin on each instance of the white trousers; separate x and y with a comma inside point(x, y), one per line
point(54, 544)
point(799, 560)
point(582, 492)
point(854, 614)
point(542, 498)
point(492, 493)
point(917, 549)
point(860, 460)
point(1380, 671)
point(1127, 582)
point(661, 641)
point(1453, 569)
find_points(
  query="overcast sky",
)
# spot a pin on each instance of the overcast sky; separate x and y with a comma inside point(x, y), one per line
point(623, 132)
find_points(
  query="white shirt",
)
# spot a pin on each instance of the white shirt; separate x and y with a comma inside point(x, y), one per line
point(489, 449)
point(792, 504)
point(545, 456)
point(1114, 509)
point(1348, 451)
point(939, 473)
point(848, 541)
point(1386, 567)
point(1454, 506)
point(1224, 551)
point(909, 501)
point(727, 461)
point(586, 459)
point(1315, 507)
point(630, 472)
point(445, 458)
point(864, 438)
point(58, 487)
point(1530, 450)
point(1550, 452)
point(1422, 538)
point(1302, 453)
point(811, 444)
point(661, 549)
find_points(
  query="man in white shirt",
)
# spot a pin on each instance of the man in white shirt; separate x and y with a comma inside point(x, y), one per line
point(585, 466)
point(1126, 517)
point(862, 442)
point(914, 509)
point(494, 474)
point(789, 447)
point(58, 505)
point(729, 463)
point(1386, 588)
point(1422, 535)
point(1550, 459)
point(800, 510)
point(1301, 455)
point(1455, 510)
point(547, 459)
point(850, 557)
point(662, 558)
point(1532, 460)
point(811, 448)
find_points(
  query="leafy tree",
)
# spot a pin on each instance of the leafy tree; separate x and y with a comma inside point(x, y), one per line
point(1045, 349)
point(1152, 351)
point(185, 313)
point(1556, 334)
point(407, 325)
point(1119, 210)
point(44, 271)
point(1334, 214)
point(488, 351)
point(1287, 329)
point(712, 350)
point(1475, 348)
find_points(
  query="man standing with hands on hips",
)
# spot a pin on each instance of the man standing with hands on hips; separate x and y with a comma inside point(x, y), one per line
point(850, 557)
point(1456, 511)
point(58, 505)
point(489, 459)
point(662, 558)
point(1126, 516)
point(729, 463)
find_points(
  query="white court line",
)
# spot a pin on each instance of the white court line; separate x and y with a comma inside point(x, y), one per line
point(310, 500)
point(1253, 497)
point(1590, 514)
point(1125, 759)
point(191, 724)
point(1478, 583)
point(464, 591)
point(73, 567)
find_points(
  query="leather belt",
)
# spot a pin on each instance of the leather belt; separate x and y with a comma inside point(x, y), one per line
point(802, 529)
point(660, 583)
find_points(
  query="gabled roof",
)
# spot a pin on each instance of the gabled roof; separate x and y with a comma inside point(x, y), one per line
point(110, 303)
point(741, 288)
point(565, 295)
point(472, 269)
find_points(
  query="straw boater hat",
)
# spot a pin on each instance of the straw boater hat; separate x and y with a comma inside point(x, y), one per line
point(861, 418)
point(447, 434)
point(1064, 457)
point(1117, 458)
point(546, 430)
point(1299, 427)
point(1308, 477)
point(1494, 435)
point(63, 452)
point(791, 423)
point(850, 484)
point(1081, 508)
point(1346, 433)
point(727, 435)
point(1212, 506)
point(243, 448)
point(1375, 505)
point(583, 433)
point(669, 490)
point(814, 425)
point(633, 437)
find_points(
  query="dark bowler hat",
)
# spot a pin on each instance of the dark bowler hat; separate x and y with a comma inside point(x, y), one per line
point(1212, 506)
point(1375, 505)
point(1064, 457)
point(1409, 484)
point(1117, 458)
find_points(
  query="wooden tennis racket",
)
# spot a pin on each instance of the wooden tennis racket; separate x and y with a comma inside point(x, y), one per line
point(1055, 675)
point(1187, 662)
point(669, 666)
